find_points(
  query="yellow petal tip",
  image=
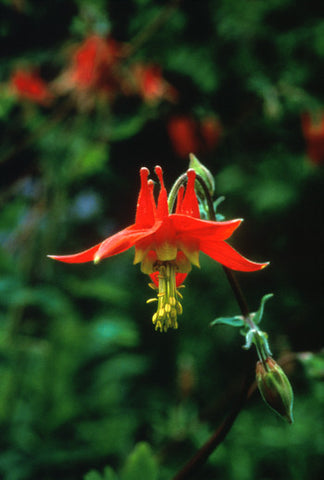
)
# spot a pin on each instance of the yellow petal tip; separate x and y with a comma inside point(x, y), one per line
point(96, 259)
point(265, 265)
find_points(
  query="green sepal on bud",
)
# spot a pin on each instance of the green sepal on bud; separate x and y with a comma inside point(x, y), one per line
point(204, 173)
point(275, 388)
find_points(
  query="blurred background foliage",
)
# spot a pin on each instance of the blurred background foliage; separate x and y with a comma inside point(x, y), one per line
point(90, 92)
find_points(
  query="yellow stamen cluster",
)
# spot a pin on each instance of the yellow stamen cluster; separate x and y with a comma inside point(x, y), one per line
point(168, 307)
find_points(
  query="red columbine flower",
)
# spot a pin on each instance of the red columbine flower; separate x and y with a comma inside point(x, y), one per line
point(166, 244)
point(151, 85)
point(93, 72)
point(183, 136)
point(211, 131)
point(188, 134)
point(30, 85)
point(93, 61)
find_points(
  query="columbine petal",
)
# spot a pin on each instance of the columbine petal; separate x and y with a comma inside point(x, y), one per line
point(230, 258)
point(166, 251)
point(179, 199)
point(118, 243)
point(189, 205)
point(162, 207)
point(145, 212)
point(196, 228)
point(82, 257)
point(123, 240)
point(191, 251)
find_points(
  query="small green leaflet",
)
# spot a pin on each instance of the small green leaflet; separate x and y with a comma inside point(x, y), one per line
point(257, 316)
point(236, 321)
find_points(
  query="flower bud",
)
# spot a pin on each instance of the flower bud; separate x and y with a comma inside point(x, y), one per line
point(275, 388)
point(205, 174)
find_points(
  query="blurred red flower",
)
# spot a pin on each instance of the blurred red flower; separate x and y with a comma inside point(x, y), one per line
point(182, 133)
point(313, 131)
point(211, 131)
point(93, 61)
point(92, 72)
point(190, 135)
point(28, 84)
point(151, 85)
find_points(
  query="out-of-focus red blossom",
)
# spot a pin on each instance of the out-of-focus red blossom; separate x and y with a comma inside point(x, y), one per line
point(211, 131)
point(93, 61)
point(313, 130)
point(92, 71)
point(189, 135)
point(151, 85)
point(96, 71)
point(182, 133)
point(29, 85)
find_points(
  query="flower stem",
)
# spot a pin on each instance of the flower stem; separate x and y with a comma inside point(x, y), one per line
point(201, 456)
point(241, 300)
point(182, 180)
point(219, 435)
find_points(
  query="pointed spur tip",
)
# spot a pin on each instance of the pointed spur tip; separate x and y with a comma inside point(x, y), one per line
point(60, 258)
point(96, 259)
point(264, 265)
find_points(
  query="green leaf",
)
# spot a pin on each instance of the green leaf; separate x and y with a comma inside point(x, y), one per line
point(141, 463)
point(93, 475)
point(314, 364)
point(257, 316)
point(109, 474)
point(89, 159)
point(128, 127)
point(97, 289)
point(236, 321)
point(197, 63)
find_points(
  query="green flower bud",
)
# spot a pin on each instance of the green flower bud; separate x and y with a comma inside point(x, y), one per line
point(275, 388)
point(204, 173)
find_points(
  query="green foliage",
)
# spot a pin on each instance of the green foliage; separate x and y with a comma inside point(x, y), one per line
point(314, 364)
point(257, 316)
point(139, 464)
point(108, 474)
point(238, 321)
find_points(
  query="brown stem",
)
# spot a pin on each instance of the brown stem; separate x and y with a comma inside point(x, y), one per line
point(201, 456)
point(219, 435)
point(241, 300)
